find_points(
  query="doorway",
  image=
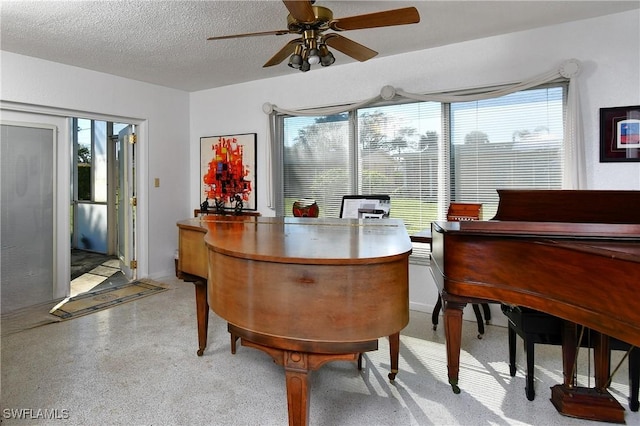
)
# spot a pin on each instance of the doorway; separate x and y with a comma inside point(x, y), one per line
point(43, 172)
point(103, 205)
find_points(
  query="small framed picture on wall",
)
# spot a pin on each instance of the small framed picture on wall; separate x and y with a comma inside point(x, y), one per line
point(620, 134)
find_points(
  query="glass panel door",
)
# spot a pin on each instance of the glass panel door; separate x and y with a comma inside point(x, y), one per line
point(28, 208)
point(126, 201)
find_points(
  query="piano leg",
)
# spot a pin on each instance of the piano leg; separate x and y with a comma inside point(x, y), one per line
point(296, 370)
point(202, 313)
point(394, 351)
point(453, 336)
point(298, 364)
point(202, 307)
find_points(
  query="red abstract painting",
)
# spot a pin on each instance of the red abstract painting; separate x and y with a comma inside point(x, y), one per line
point(228, 170)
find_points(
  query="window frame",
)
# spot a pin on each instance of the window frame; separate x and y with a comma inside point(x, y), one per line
point(445, 195)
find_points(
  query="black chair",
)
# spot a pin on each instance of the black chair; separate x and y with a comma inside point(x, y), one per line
point(538, 327)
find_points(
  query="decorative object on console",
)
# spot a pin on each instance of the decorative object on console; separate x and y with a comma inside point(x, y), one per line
point(620, 134)
point(204, 207)
point(305, 207)
point(228, 172)
point(312, 47)
point(219, 205)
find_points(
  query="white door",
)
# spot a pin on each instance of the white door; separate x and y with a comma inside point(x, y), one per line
point(126, 201)
point(27, 205)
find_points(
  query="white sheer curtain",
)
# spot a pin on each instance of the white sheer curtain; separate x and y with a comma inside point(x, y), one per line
point(574, 156)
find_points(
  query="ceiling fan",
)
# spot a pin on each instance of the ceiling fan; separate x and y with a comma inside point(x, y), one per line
point(311, 22)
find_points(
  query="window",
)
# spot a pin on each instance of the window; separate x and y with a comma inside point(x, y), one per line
point(425, 154)
point(514, 141)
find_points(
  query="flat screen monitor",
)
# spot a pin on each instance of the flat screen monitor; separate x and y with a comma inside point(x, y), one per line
point(365, 206)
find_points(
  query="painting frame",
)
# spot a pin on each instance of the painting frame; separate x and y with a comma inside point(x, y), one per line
point(620, 134)
point(228, 172)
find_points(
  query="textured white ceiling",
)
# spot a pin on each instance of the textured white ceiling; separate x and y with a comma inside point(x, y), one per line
point(165, 42)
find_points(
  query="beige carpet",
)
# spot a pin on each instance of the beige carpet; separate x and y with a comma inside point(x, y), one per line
point(94, 301)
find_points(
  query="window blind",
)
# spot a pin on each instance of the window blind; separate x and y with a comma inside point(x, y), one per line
point(514, 141)
point(425, 155)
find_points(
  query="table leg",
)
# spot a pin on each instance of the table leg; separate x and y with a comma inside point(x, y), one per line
point(202, 312)
point(453, 336)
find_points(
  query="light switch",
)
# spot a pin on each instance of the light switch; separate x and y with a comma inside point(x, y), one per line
point(156, 182)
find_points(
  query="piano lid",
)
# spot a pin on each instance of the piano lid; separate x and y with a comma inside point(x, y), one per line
point(523, 229)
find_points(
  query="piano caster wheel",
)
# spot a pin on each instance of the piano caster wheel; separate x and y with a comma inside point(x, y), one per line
point(435, 327)
point(392, 376)
point(200, 352)
point(634, 405)
point(454, 387)
point(480, 336)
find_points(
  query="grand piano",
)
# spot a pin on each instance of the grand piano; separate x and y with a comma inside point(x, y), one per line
point(306, 291)
point(571, 254)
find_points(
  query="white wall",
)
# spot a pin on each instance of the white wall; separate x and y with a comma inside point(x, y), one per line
point(608, 47)
point(163, 114)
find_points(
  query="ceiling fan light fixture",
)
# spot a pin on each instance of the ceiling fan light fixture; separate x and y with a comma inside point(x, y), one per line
point(295, 61)
point(326, 57)
point(313, 57)
point(311, 22)
point(311, 45)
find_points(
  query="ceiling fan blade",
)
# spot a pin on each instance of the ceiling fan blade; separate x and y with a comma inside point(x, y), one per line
point(407, 15)
point(349, 47)
point(283, 54)
point(301, 10)
point(262, 33)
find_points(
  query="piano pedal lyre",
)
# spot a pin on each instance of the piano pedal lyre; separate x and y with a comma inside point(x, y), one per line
point(587, 403)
